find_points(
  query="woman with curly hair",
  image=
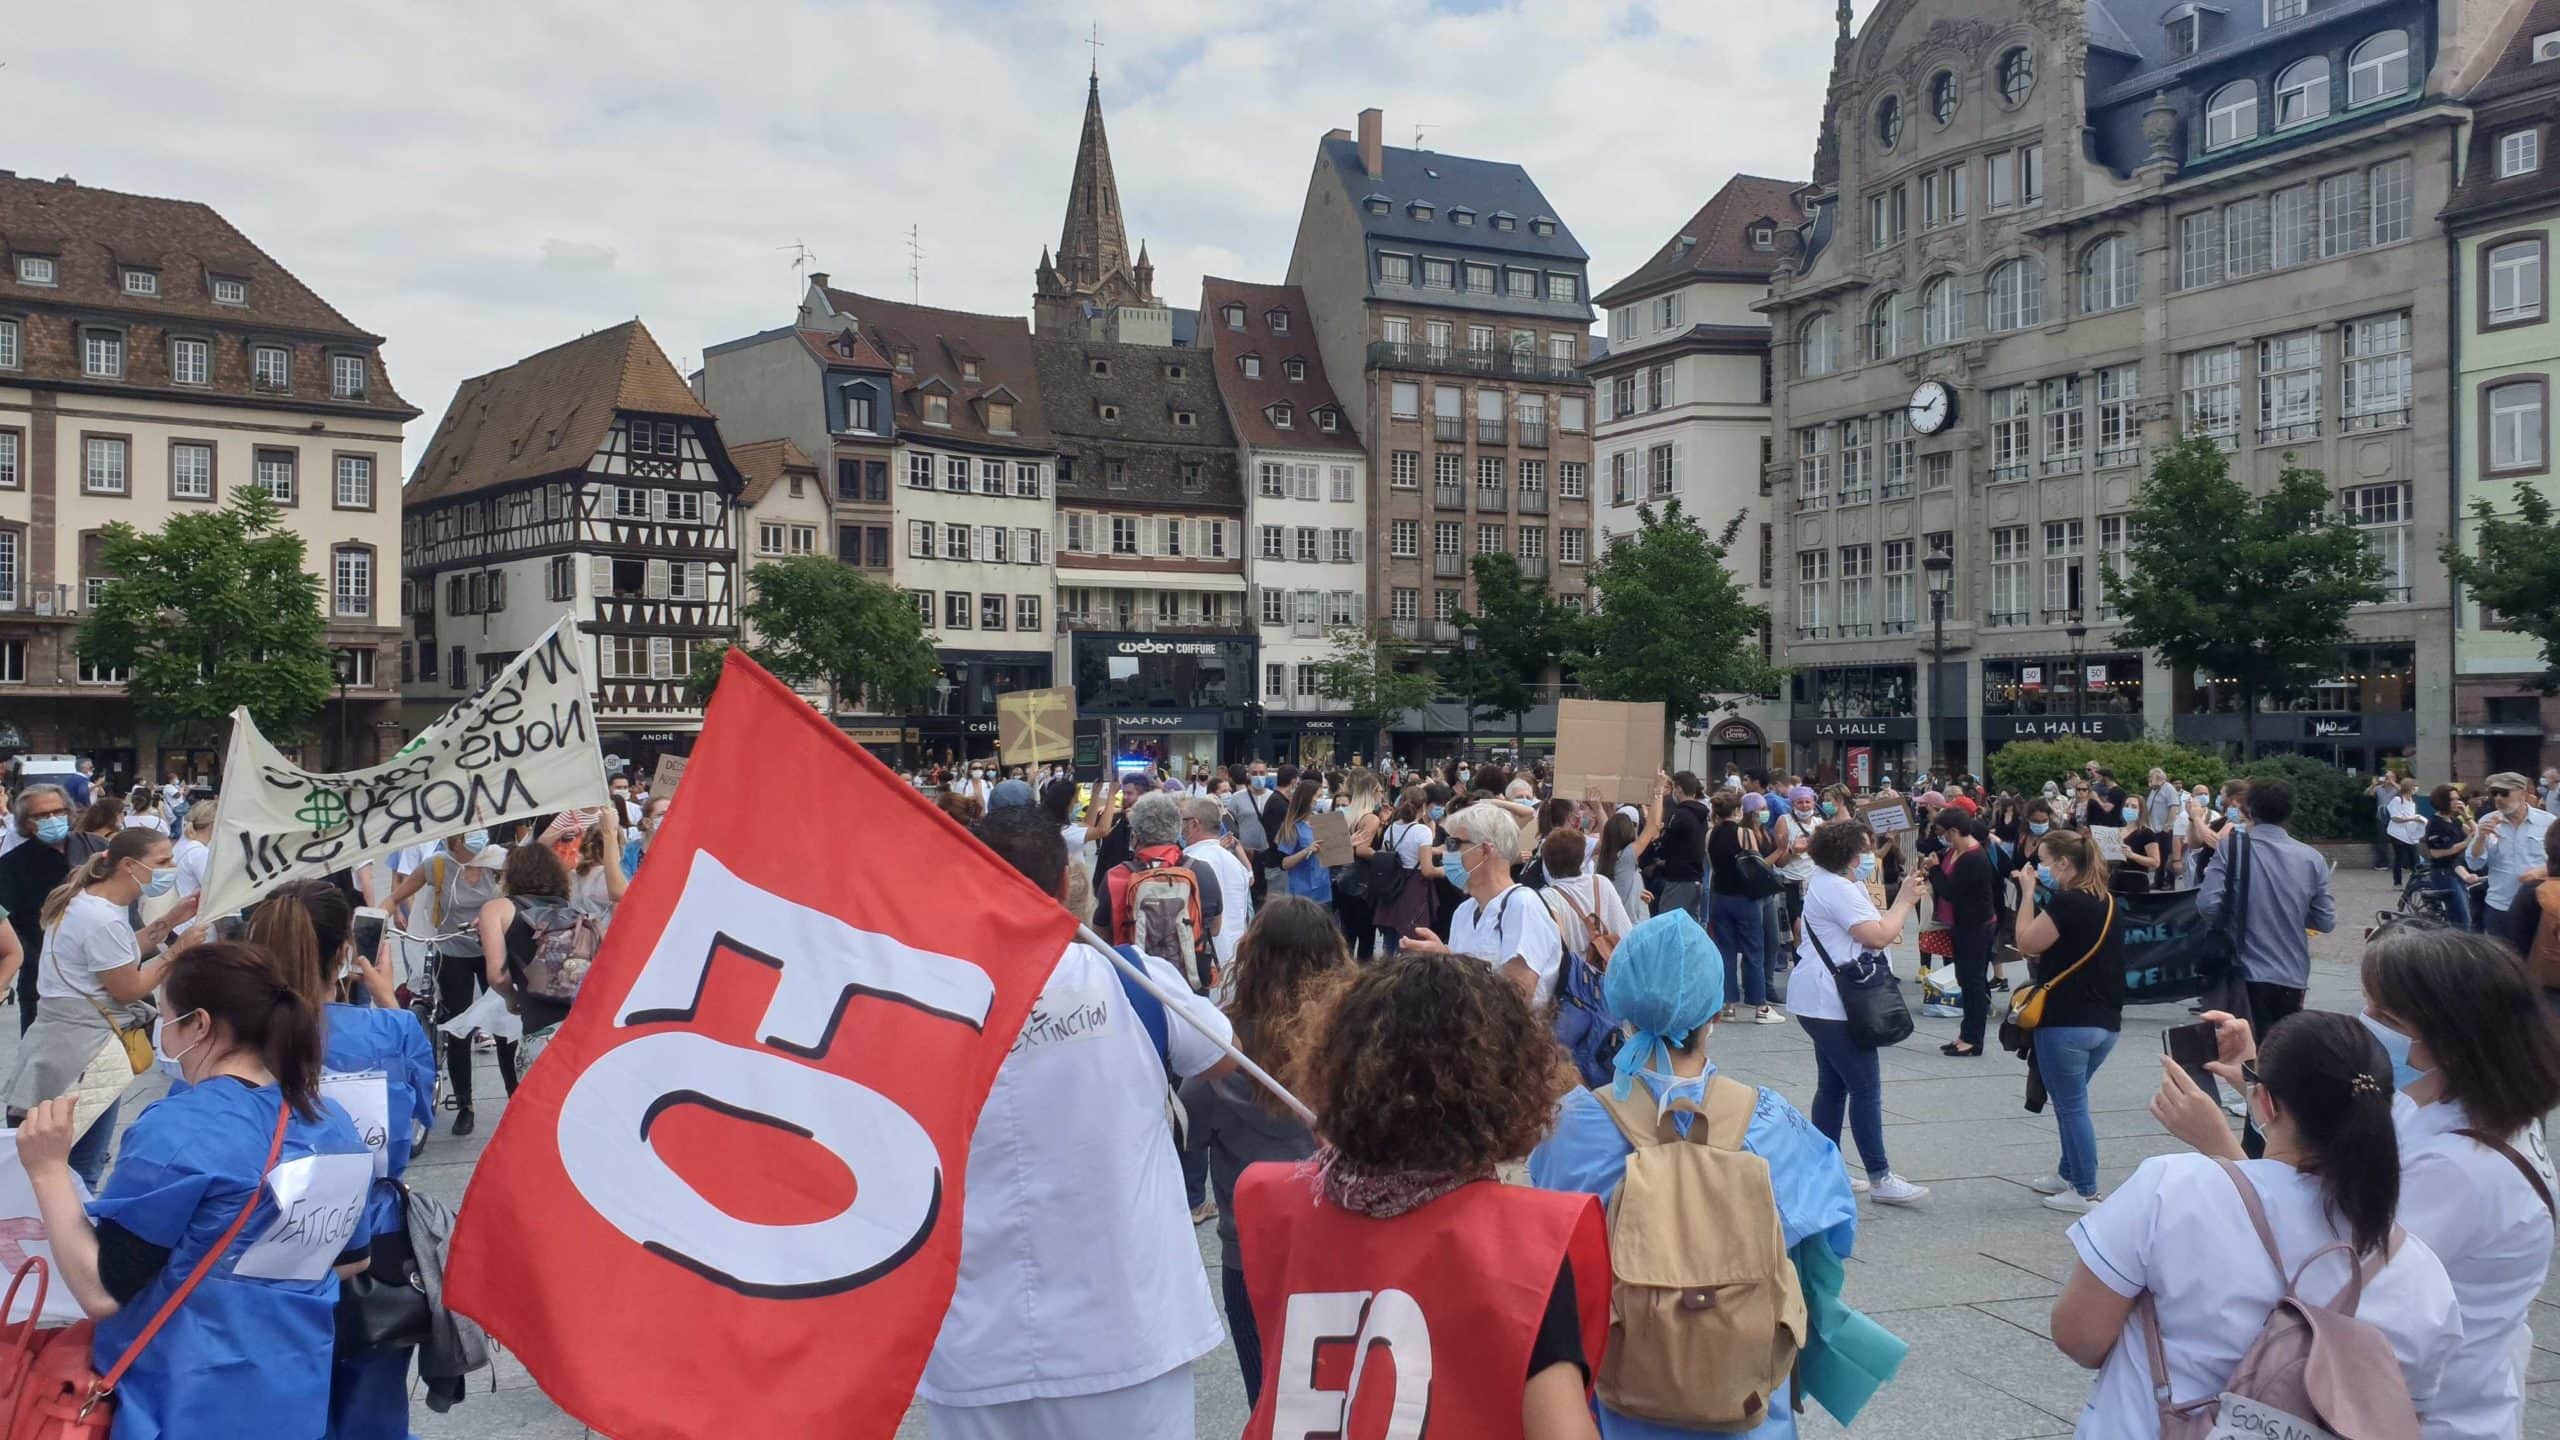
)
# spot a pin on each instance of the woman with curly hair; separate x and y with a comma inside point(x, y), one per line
point(1427, 1071)
point(1290, 950)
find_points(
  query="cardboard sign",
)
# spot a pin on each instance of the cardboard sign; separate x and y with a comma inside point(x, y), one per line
point(1887, 817)
point(669, 774)
point(1033, 726)
point(1333, 838)
point(1612, 746)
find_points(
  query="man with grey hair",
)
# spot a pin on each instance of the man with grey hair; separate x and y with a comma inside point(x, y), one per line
point(1206, 849)
point(1154, 826)
point(47, 850)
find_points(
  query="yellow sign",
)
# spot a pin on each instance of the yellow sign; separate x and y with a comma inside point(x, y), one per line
point(1036, 725)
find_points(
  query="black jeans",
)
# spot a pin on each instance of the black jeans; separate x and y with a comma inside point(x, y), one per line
point(1243, 1330)
point(2405, 861)
point(1973, 976)
point(1359, 920)
point(459, 981)
point(2267, 1005)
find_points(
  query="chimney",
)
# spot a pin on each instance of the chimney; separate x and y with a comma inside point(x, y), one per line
point(818, 278)
point(1373, 159)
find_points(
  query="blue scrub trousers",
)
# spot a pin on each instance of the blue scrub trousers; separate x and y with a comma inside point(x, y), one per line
point(369, 1396)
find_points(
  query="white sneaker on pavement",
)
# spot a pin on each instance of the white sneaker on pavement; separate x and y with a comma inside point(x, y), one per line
point(1769, 1015)
point(1858, 1185)
point(2072, 1202)
point(1894, 1190)
point(2048, 1184)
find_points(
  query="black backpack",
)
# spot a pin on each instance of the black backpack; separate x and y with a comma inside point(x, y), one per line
point(1384, 870)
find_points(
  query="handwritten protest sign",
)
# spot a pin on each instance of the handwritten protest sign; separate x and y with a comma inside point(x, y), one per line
point(1887, 817)
point(524, 745)
point(1609, 745)
point(1333, 839)
point(669, 774)
point(1033, 726)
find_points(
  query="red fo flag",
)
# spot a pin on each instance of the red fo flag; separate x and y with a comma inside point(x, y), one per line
point(727, 1201)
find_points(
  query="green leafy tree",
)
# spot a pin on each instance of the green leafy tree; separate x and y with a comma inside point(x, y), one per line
point(1670, 622)
point(2517, 572)
point(819, 622)
point(1522, 633)
point(214, 611)
point(2252, 590)
point(1379, 682)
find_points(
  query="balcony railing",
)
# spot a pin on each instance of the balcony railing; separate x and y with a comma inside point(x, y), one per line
point(1490, 432)
point(2120, 457)
point(2058, 615)
point(1821, 501)
point(1533, 502)
point(1443, 632)
point(1534, 566)
point(1404, 629)
point(2288, 434)
point(2374, 420)
point(2002, 474)
point(1896, 627)
point(2063, 464)
point(1856, 497)
point(1449, 567)
point(1489, 500)
point(1449, 497)
point(1516, 364)
point(1305, 629)
point(1449, 428)
point(1533, 432)
point(1896, 489)
point(2006, 619)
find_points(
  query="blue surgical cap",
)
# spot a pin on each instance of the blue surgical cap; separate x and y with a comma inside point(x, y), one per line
point(1665, 980)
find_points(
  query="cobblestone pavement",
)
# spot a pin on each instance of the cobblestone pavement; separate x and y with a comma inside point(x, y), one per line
point(1967, 1276)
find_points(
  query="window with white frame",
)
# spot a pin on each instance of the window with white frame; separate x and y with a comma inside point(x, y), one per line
point(630, 503)
point(1521, 284)
point(684, 505)
point(955, 542)
point(1900, 593)
point(2064, 435)
point(2119, 417)
point(354, 482)
point(2231, 115)
point(2110, 277)
point(991, 477)
point(2391, 195)
point(276, 473)
point(230, 292)
point(1899, 448)
point(1404, 538)
point(9, 568)
point(2381, 514)
point(190, 470)
point(1573, 479)
point(2342, 217)
point(2199, 249)
point(2016, 290)
point(2378, 68)
point(12, 458)
point(1404, 470)
point(1884, 327)
point(1941, 311)
point(9, 344)
point(1938, 471)
point(1857, 461)
point(1448, 468)
point(270, 367)
point(2293, 226)
point(2009, 603)
point(346, 377)
point(2113, 533)
point(1662, 469)
point(1816, 349)
point(1489, 540)
point(2062, 575)
point(1857, 589)
point(190, 361)
point(771, 538)
point(102, 354)
point(2515, 281)
point(1885, 215)
point(2244, 237)
point(2209, 391)
point(2013, 409)
point(2519, 425)
point(2374, 372)
point(1813, 467)
point(1813, 592)
point(103, 468)
point(1573, 544)
point(919, 472)
point(2519, 153)
point(352, 586)
point(2289, 387)
point(35, 270)
point(2302, 92)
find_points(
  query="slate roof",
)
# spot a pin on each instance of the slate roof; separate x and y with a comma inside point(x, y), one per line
point(2514, 91)
point(763, 463)
point(1721, 235)
point(2514, 69)
point(1248, 400)
point(1448, 182)
point(940, 342)
point(548, 412)
point(2238, 27)
point(1151, 447)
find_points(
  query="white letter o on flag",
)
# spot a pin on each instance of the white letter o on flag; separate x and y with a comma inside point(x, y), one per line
point(604, 1146)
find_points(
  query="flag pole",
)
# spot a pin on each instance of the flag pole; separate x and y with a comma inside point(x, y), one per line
point(1148, 983)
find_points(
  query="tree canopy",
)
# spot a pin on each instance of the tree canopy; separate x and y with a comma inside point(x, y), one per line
point(817, 621)
point(2517, 572)
point(1379, 682)
point(1671, 623)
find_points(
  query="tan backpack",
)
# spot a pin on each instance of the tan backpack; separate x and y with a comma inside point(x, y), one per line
point(1705, 1311)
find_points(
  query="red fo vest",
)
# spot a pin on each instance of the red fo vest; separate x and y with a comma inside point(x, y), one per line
point(1416, 1328)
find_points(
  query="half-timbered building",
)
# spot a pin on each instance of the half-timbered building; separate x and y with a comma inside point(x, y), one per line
point(585, 479)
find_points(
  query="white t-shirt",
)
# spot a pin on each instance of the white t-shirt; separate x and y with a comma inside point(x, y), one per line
point(1515, 924)
point(192, 857)
point(592, 888)
point(1799, 867)
point(146, 820)
point(1409, 840)
point(2406, 825)
point(1832, 904)
point(93, 935)
point(1079, 1271)
point(2177, 1228)
point(1235, 896)
point(1597, 900)
point(2474, 1209)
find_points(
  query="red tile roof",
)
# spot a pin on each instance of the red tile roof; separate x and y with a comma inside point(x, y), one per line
point(1249, 400)
point(765, 462)
point(548, 412)
point(822, 345)
point(938, 341)
point(1719, 233)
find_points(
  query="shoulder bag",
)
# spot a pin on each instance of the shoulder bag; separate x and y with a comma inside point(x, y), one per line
point(1870, 998)
point(53, 1393)
point(2026, 1008)
point(2523, 1166)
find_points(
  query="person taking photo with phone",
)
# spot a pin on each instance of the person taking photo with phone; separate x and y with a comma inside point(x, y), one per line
point(2073, 935)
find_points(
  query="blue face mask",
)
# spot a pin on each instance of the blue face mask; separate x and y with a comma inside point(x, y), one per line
point(475, 841)
point(54, 829)
point(2044, 878)
point(2132, 813)
point(1830, 808)
point(2396, 1045)
point(1455, 867)
point(160, 882)
point(2038, 827)
point(1867, 867)
point(1438, 810)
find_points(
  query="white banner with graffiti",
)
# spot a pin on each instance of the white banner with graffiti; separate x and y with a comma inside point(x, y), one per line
point(524, 745)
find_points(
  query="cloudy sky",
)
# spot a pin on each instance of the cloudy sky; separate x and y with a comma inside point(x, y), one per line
point(478, 180)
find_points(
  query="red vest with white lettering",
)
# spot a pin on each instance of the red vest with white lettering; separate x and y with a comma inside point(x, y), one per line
point(1415, 1328)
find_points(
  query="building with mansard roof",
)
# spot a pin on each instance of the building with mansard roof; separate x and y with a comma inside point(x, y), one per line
point(2046, 239)
point(585, 479)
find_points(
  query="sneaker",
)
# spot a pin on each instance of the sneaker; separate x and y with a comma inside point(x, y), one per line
point(1894, 1190)
point(1936, 1011)
point(2000, 985)
point(2071, 1202)
point(463, 1120)
point(2048, 1184)
point(1859, 1185)
point(1769, 1015)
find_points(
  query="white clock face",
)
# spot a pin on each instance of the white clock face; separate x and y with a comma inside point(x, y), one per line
point(1931, 408)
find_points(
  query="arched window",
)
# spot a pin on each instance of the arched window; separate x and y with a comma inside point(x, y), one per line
point(1943, 96)
point(1817, 347)
point(2017, 75)
point(2016, 291)
point(2231, 116)
point(2302, 92)
point(2108, 277)
point(1884, 327)
point(1889, 121)
point(2379, 68)
point(1941, 311)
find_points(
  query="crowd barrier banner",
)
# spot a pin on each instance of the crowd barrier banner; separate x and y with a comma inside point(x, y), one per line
point(524, 745)
point(728, 1200)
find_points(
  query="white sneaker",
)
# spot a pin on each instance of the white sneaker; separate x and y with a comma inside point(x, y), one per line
point(2072, 1202)
point(1858, 1185)
point(2048, 1184)
point(1769, 1015)
point(1894, 1190)
point(1936, 1011)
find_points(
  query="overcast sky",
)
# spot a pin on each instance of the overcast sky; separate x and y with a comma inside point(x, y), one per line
point(478, 181)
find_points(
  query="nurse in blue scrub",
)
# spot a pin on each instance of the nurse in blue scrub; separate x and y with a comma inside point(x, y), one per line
point(378, 1067)
point(246, 1355)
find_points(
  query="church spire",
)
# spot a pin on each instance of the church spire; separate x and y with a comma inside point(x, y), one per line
point(1093, 244)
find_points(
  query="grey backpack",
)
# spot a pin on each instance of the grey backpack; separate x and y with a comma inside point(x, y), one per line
point(2317, 1367)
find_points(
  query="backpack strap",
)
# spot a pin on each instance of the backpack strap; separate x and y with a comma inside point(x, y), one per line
point(1722, 1122)
point(2257, 1216)
point(2523, 1166)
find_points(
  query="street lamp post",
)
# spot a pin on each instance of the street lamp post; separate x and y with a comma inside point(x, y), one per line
point(344, 663)
point(1467, 639)
point(2079, 634)
point(1942, 574)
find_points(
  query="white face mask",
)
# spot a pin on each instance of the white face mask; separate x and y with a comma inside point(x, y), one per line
point(169, 1064)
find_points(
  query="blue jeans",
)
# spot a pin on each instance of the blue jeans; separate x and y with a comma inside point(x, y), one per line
point(2457, 897)
point(2067, 1056)
point(1734, 923)
point(1850, 1077)
point(90, 1152)
point(1242, 1329)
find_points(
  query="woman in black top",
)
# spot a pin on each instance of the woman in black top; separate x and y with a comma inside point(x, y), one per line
point(2146, 862)
point(2446, 838)
point(2069, 922)
point(1962, 880)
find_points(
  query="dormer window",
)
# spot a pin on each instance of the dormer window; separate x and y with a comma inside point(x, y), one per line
point(2186, 34)
point(230, 292)
point(968, 369)
point(1378, 204)
point(1327, 421)
point(905, 360)
point(141, 282)
point(1764, 237)
point(1293, 369)
point(2279, 11)
point(1100, 367)
point(1439, 274)
point(1505, 220)
point(1419, 210)
point(1192, 480)
point(1232, 316)
point(1000, 417)
point(1395, 269)
point(35, 270)
point(1250, 366)
point(1110, 413)
point(1278, 320)
point(1282, 416)
point(1177, 373)
point(1462, 216)
point(1185, 419)
point(937, 409)
point(1542, 226)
